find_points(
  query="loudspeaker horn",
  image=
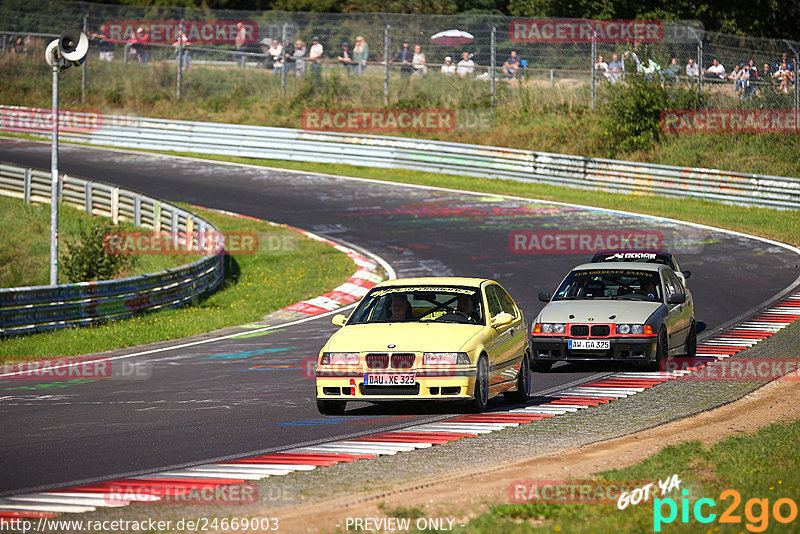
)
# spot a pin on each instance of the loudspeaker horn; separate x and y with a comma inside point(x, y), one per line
point(51, 52)
point(73, 45)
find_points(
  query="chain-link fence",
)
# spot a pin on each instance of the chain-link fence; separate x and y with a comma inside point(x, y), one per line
point(464, 62)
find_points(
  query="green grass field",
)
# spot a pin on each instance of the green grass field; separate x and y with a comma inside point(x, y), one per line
point(255, 285)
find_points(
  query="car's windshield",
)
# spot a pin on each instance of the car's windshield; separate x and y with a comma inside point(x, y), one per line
point(610, 284)
point(450, 304)
point(632, 256)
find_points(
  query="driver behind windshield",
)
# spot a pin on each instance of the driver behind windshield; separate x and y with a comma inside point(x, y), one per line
point(400, 309)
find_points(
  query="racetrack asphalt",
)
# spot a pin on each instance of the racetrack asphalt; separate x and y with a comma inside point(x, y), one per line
point(241, 396)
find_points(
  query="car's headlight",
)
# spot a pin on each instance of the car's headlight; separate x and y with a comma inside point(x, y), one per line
point(549, 328)
point(635, 329)
point(446, 358)
point(339, 358)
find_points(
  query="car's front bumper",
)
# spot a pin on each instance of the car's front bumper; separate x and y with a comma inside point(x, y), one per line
point(554, 348)
point(429, 384)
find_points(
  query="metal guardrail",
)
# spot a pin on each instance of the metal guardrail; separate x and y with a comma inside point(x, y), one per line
point(440, 157)
point(34, 309)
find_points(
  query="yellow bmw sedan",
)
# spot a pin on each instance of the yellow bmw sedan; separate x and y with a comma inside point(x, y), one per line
point(434, 339)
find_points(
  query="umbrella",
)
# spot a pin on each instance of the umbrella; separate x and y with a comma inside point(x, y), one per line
point(452, 37)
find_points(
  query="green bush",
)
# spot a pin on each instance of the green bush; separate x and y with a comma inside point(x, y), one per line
point(630, 112)
point(85, 259)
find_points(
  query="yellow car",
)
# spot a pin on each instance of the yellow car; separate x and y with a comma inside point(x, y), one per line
point(437, 339)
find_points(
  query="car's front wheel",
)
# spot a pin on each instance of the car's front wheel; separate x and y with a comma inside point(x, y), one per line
point(662, 352)
point(480, 395)
point(523, 391)
point(331, 407)
point(691, 341)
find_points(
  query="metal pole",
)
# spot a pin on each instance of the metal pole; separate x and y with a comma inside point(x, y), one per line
point(284, 65)
point(54, 181)
point(494, 60)
point(699, 61)
point(83, 67)
point(594, 66)
point(796, 82)
point(179, 82)
point(386, 45)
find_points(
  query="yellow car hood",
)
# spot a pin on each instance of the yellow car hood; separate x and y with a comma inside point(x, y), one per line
point(407, 337)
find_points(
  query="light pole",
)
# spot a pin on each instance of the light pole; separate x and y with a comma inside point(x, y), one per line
point(69, 49)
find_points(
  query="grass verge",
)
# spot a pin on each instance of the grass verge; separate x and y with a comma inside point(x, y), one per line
point(761, 468)
point(781, 225)
point(255, 285)
point(26, 262)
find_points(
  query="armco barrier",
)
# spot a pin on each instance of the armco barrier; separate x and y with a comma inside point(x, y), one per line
point(34, 309)
point(436, 156)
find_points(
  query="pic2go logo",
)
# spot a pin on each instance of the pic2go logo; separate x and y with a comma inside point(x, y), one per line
point(756, 511)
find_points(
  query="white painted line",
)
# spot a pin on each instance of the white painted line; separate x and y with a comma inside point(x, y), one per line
point(552, 409)
point(295, 467)
point(212, 468)
point(578, 406)
point(209, 475)
point(466, 427)
point(450, 429)
point(412, 444)
point(616, 389)
point(88, 499)
point(5, 504)
point(352, 450)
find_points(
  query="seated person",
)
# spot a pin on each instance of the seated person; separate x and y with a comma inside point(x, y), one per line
point(715, 71)
point(649, 289)
point(511, 65)
point(785, 76)
point(466, 305)
point(448, 67)
point(673, 69)
point(400, 309)
point(601, 68)
point(466, 66)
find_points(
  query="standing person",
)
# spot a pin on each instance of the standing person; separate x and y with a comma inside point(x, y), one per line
point(275, 53)
point(288, 56)
point(405, 56)
point(418, 61)
point(105, 48)
point(315, 56)
point(299, 57)
point(360, 54)
point(144, 44)
point(600, 67)
point(181, 52)
point(239, 41)
point(466, 66)
point(346, 59)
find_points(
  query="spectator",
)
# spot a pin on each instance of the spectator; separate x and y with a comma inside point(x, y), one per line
point(418, 61)
point(737, 77)
point(615, 69)
point(785, 76)
point(105, 48)
point(692, 70)
point(288, 56)
point(181, 52)
point(601, 68)
point(789, 62)
point(512, 65)
point(315, 56)
point(19, 45)
point(650, 68)
point(466, 66)
point(631, 57)
point(275, 54)
point(673, 69)
point(139, 47)
point(298, 55)
point(448, 67)
point(405, 56)
point(360, 54)
point(767, 72)
point(346, 59)
point(716, 71)
point(239, 41)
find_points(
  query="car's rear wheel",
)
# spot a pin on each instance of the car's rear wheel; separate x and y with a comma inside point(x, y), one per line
point(691, 341)
point(662, 352)
point(331, 407)
point(480, 395)
point(523, 391)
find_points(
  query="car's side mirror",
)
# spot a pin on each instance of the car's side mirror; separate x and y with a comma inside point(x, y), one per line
point(502, 319)
point(676, 298)
point(686, 274)
point(339, 319)
point(545, 297)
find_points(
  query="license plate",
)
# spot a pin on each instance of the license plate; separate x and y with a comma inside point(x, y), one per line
point(389, 380)
point(588, 344)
